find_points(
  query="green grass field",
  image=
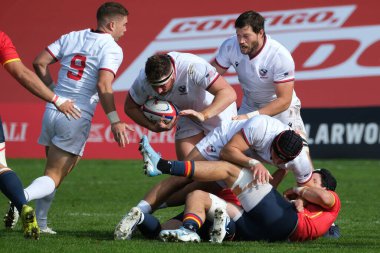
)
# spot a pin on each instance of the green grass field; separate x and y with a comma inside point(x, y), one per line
point(95, 196)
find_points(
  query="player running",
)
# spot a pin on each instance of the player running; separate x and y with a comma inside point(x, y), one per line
point(89, 62)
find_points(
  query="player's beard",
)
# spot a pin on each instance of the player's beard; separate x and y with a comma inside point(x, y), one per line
point(251, 49)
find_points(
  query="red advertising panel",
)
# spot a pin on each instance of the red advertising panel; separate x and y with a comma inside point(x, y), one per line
point(335, 45)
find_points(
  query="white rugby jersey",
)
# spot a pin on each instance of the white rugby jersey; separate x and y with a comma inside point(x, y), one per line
point(194, 76)
point(259, 132)
point(258, 76)
point(82, 55)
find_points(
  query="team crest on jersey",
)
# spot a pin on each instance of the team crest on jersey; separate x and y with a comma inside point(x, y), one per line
point(236, 64)
point(182, 90)
point(211, 149)
point(263, 73)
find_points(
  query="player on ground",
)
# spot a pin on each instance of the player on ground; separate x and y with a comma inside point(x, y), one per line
point(265, 70)
point(248, 143)
point(261, 139)
point(265, 215)
point(203, 97)
point(89, 61)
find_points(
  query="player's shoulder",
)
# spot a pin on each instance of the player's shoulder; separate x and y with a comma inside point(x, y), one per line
point(184, 57)
point(141, 81)
point(4, 39)
point(231, 40)
point(230, 43)
point(3, 36)
point(188, 62)
point(260, 119)
point(276, 47)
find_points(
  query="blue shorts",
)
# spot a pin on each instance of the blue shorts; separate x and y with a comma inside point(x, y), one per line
point(273, 219)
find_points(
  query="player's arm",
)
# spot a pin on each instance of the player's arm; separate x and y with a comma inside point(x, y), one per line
point(224, 95)
point(119, 128)
point(134, 111)
point(41, 66)
point(316, 195)
point(278, 176)
point(284, 93)
point(29, 80)
point(233, 152)
point(219, 69)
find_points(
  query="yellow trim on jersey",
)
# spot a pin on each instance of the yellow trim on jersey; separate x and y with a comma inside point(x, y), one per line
point(314, 216)
point(333, 198)
point(11, 60)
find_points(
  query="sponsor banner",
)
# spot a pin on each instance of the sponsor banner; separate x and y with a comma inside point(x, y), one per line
point(344, 132)
point(333, 133)
point(22, 125)
point(320, 46)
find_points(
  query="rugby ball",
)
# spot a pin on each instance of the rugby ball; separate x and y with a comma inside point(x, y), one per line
point(155, 110)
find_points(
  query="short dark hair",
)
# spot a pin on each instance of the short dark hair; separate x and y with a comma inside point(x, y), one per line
point(328, 180)
point(252, 19)
point(157, 66)
point(110, 9)
point(287, 145)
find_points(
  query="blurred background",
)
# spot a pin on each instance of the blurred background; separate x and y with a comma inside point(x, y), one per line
point(335, 46)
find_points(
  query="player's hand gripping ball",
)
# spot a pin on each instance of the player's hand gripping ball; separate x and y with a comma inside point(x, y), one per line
point(156, 110)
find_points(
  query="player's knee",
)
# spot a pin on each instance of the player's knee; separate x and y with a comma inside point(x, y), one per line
point(215, 202)
point(197, 195)
point(4, 169)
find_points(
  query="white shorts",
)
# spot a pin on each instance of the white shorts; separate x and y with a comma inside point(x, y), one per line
point(290, 117)
point(68, 135)
point(211, 145)
point(187, 128)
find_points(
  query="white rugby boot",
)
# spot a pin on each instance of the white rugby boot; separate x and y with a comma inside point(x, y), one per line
point(179, 235)
point(128, 224)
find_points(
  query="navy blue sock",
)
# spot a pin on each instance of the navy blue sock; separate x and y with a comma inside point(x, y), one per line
point(150, 227)
point(176, 168)
point(192, 222)
point(230, 231)
point(12, 187)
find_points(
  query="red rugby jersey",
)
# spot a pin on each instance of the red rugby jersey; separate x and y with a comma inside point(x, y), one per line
point(314, 221)
point(8, 51)
point(229, 196)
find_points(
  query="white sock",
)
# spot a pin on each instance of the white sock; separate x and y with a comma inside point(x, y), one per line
point(144, 206)
point(42, 209)
point(3, 160)
point(39, 188)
